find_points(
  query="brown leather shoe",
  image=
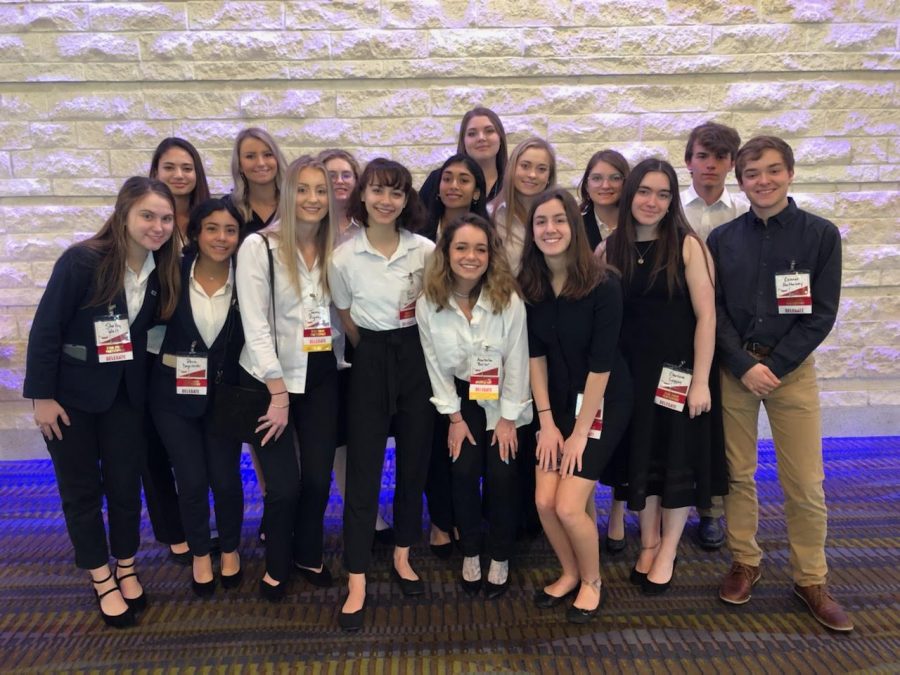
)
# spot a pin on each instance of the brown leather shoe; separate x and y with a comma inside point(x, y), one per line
point(824, 608)
point(737, 585)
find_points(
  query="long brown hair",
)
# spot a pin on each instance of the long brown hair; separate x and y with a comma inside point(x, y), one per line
point(612, 157)
point(671, 230)
point(583, 269)
point(515, 206)
point(480, 111)
point(111, 245)
point(200, 193)
point(497, 282)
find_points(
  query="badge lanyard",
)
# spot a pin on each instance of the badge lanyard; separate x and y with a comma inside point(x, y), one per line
point(191, 372)
point(597, 423)
point(316, 325)
point(672, 390)
point(113, 335)
point(793, 292)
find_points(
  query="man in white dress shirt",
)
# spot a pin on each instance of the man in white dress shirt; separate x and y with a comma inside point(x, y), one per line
point(709, 156)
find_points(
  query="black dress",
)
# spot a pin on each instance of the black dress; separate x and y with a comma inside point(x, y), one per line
point(666, 453)
point(578, 337)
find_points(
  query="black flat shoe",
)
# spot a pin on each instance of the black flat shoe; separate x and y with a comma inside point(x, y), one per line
point(185, 558)
point(544, 600)
point(271, 593)
point(494, 591)
point(233, 580)
point(442, 551)
point(385, 537)
point(123, 620)
point(203, 589)
point(637, 578)
point(321, 579)
point(408, 586)
point(470, 588)
point(652, 588)
point(614, 546)
point(140, 602)
point(352, 622)
point(580, 616)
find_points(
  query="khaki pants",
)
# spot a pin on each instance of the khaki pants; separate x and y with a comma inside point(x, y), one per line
point(795, 418)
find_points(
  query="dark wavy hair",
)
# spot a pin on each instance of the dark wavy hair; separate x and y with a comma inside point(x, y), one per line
point(200, 193)
point(478, 206)
point(584, 269)
point(393, 175)
point(612, 157)
point(201, 212)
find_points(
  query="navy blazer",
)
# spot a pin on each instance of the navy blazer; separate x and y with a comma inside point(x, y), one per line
point(61, 361)
point(590, 227)
point(181, 332)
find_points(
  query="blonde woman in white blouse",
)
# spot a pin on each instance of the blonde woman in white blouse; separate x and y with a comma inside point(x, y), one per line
point(472, 326)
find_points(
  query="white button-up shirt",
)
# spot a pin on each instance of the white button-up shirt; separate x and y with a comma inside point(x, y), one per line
point(450, 342)
point(210, 311)
point(136, 287)
point(259, 357)
point(704, 218)
point(514, 240)
point(373, 286)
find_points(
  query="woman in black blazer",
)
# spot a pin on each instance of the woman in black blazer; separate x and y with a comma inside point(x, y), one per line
point(86, 374)
point(203, 340)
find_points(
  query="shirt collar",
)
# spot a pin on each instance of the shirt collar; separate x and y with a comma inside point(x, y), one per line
point(407, 242)
point(195, 285)
point(148, 266)
point(783, 218)
point(483, 303)
point(691, 196)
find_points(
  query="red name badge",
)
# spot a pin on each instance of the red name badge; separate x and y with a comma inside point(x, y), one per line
point(597, 423)
point(316, 329)
point(672, 390)
point(113, 336)
point(793, 292)
point(191, 374)
point(484, 382)
point(408, 297)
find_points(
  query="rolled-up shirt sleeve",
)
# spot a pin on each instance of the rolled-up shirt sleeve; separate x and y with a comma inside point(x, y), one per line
point(444, 396)
point(254, 297)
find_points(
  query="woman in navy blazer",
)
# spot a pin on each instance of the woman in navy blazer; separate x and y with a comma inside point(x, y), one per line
point(86, 374)
point(203, 340)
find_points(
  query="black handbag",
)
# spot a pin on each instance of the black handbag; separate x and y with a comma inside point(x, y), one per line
point(236, 410)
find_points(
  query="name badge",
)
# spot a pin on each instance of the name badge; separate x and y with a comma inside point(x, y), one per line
point(484, 382)
point(597, 423)
point(672, 390)
point(191, 374)
point(113, 336)
point(793, 292)
point(408, 297)
point(316, 328)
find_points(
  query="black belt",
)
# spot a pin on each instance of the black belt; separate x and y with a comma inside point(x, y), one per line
point(758, 349)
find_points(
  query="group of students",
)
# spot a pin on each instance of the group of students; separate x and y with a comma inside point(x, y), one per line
point(520, 349)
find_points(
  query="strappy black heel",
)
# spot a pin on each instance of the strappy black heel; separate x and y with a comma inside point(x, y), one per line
point(123, 620)
point(140, 602)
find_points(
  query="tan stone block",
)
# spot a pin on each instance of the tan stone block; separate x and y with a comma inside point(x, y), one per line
point(619, 12)
point(25, 187)
point(336, 14)
point(81, 187)
point(235, 15)
point(222, 46)
point(887, 397)
point(44, 17)
point(124, 162)
point(106, 47)
point(890, 278)
point(797, 123)
point(241, 70)
point(32, 247)
point(870, 150)
point(759, 39)
point(843, 399)
point(818, 150)
point(132, 134)
point(5, 169)
point(138, 16)
point(209, 133)
point(291, 103)
point(474, 42)
point(167, 71)
point(379, 44)
point(47, 218)
point(871, 257)
point(406, 130)
point(59, 163)
point(340, 70)
point(9, 330)
point(15, 275)
point(427, 14)
point(799, 11)
point(46, 72)
point(166, 104)
point(96, 106)
point(368, 104)
point(218, 161)
point(871, 230)
point(112, 72)
point(869, 333)
point(665, 40)
point(16, 135)
point(585, 128)
point(860, 278)
point(864, 204)
point(867, 37)
point(569, 42)
point(784, 95)
point(868, 307)
point(668, 126)
point(838, 362)
point(536, 13)
point(22, 48)
point(881, 361)
point(889, 173)
point(710, 12)
point(23, 296)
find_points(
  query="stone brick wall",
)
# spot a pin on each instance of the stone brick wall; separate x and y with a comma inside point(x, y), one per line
point(87, 89)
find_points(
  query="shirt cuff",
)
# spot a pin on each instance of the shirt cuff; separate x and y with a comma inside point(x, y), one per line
point(512, 410)
point(446, 407)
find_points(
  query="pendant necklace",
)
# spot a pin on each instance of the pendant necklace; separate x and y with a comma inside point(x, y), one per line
point(640, 255)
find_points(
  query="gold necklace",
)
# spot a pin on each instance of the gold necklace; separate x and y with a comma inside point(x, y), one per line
point(641, 256)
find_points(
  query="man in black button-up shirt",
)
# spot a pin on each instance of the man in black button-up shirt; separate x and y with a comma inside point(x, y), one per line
point(778, 280)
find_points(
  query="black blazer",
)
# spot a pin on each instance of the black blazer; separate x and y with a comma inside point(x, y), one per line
point(590, 227)
point(61, 361)
point(181, 331)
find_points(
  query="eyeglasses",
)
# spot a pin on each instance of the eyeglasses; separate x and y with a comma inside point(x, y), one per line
point(345, 176)
point(612, 179)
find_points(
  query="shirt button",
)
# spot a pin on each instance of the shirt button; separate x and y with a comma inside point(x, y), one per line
point(759, 321)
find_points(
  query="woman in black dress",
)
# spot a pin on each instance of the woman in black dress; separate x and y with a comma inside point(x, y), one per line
point(580, 385)
point(674, 448)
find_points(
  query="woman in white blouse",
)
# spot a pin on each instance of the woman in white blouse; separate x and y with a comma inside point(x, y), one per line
point(472, 326)
point(288, 350)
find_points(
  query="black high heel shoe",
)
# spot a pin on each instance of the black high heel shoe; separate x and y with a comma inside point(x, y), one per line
point(638, 578)
point(652, 588)
point(203, 589)
point(140, 602)
point(233, 580)
point(351, 622)
point(123, 620)
point(578, 615)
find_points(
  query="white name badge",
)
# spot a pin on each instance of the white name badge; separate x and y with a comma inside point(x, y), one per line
point(484, 382)
point(191, 374)
point(672, 390)
point(793, 292)
point(597, 424)
point(316, 328)
point(407, 312)
point(113, 337)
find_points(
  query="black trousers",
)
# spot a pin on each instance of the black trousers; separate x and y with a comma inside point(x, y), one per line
point(501, 481)
point(438, 490)
point(100, 455)
point(297, 487)
point(160, 492)
point(389, 391)
point(204, 461)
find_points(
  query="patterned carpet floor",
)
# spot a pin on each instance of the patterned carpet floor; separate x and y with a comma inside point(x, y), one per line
point(49, 621)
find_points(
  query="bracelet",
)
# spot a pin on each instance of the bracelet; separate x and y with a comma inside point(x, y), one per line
point(543, 411)
point(286, 405)
point(277, 393)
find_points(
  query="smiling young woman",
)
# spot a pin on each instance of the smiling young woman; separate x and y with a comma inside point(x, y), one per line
point(257, 168)
point(177, 163)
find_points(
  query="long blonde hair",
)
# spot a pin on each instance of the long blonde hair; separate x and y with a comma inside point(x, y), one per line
point(285, 228)
point(515, 205)
point(241, 194)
